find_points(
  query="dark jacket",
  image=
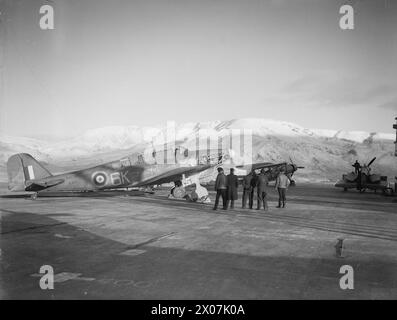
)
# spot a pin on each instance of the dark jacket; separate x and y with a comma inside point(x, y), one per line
point(254, 181)
point(262, 183)
point(356, 165)
point(221, 181)
point(247, 181)
point(232, 186)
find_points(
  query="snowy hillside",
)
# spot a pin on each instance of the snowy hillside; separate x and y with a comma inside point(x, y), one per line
point(356, 136)
point(326, 154)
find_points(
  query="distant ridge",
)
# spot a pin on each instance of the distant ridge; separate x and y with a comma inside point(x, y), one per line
point(326, 154)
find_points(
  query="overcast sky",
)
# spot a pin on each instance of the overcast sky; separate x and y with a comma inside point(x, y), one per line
point(144, 62)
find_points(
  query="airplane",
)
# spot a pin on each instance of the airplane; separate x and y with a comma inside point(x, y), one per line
point(364, 180)
point(272, 170)
point(26, 174)
point(241, 169)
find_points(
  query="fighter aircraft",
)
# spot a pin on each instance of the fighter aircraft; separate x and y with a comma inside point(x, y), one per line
point(272, 170)
point(364, 180)
point(26, 174)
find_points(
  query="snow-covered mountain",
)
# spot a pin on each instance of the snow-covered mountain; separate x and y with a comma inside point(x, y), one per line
point(356, 136)
point(324, 153)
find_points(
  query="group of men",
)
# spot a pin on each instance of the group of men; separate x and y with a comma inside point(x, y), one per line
point(226, 188)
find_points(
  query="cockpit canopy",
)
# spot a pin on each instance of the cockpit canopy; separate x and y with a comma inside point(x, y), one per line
point(179, 155)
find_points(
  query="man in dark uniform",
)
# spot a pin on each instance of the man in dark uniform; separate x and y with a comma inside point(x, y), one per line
point(247, 189)
point(232, 186)
point(221, 189)
point(262, 186)
point(254, 181)
point(357, 167)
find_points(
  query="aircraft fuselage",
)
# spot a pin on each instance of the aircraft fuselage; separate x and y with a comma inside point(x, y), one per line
point(112, 175)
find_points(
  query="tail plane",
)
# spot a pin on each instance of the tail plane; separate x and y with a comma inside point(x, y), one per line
point(23, 167)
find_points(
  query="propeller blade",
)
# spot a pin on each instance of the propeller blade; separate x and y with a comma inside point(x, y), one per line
point(371, 161)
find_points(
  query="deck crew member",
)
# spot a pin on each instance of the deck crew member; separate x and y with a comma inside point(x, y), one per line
point(220, 188)
point(247, 190)
point(357, 167)
point(253, 186)
point(261, 184)
point(282, 183)
point(232, 186)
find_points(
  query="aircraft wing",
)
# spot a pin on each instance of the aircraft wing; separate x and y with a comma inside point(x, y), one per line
point(174, 174)
point(264, 165)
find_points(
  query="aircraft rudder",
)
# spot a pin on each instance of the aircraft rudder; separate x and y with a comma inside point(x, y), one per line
point(22, 167)
point(15, 173)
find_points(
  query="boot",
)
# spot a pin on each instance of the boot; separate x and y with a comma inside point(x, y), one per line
point(283, 204)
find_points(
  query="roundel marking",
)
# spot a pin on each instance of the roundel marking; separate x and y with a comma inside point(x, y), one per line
point(99, 178)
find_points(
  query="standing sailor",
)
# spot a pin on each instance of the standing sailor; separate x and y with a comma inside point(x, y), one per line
point(253, 186)
point(247, 189)
point(221, 189)
point(357, 167)
point(282, 183)
point(232, 186)
point(262, 186)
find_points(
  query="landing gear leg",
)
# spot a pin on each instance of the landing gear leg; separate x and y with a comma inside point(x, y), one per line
point(202, 193)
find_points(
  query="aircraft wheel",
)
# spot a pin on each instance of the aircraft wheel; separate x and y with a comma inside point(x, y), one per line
point(33, 196)
point(179, 192)
point(345, 189)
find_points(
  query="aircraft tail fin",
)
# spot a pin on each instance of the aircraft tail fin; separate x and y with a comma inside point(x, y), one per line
point(22, 167)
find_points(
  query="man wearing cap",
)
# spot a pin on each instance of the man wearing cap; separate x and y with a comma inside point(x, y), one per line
point(221, 189)
point(262, 186)
point(253, 186)
point(232, 186)
point(249, 185)
point(357, 167)
point(247, 190)
point(282, 183)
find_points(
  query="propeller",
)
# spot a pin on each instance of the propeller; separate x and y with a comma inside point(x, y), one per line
point(294, 165)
